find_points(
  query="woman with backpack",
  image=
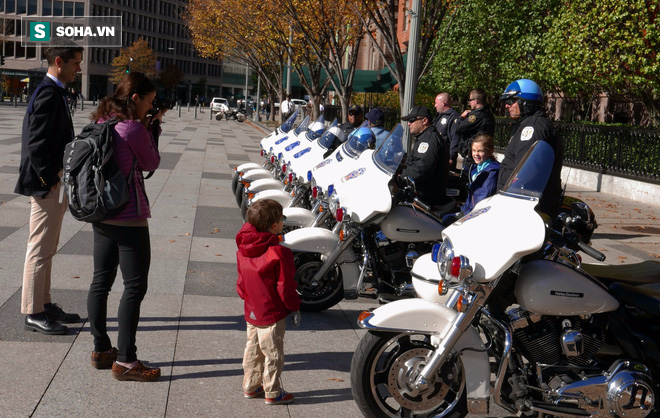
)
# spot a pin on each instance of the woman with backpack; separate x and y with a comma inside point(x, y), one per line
point(123, 240)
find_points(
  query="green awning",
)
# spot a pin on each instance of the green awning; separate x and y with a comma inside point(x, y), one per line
point(369, 81)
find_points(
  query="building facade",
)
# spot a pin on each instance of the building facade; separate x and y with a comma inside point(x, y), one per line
point(159, 22)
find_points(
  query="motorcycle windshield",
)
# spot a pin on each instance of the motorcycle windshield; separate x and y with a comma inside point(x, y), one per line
point(329, 136)
point(389, 155)
point(286, 126)
point(354, 146)
point(532, 173)
point(302, 127)
point(316, 129)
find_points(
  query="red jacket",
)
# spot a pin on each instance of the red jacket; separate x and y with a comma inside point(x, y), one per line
point(265, 277)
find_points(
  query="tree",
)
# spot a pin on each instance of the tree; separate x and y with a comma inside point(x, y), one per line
point(381, 16)
point(334, 34)
point(137, 57)
point(489, 45)
point(608, 46)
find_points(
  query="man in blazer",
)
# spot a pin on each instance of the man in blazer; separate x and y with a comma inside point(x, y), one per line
point(47, 128)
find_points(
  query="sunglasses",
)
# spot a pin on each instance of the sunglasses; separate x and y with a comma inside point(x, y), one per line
point(415, 120)
point(469, 100)
point(283, 218)
point(353, 113)
point(510, 102)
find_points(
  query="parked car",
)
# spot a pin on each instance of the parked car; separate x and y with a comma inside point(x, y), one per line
point(300, 103)
point(219, 104)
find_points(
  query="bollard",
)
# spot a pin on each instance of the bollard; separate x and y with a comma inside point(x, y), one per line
point(15, 101)
point(195, 112)
point(210, 115)
point(188, 108)
point(179, 110)
point(82, 105)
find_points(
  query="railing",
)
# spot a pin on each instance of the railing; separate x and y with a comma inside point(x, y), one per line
point(621, 151)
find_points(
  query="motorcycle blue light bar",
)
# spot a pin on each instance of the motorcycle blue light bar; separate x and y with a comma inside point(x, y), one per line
point(435, 250)
point(331, 188)
point(309, 175)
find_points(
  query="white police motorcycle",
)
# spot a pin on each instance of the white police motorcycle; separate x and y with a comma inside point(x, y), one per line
point(563, 342)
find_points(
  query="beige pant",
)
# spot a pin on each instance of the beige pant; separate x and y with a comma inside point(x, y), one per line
point(263, 359)
point(46, 215)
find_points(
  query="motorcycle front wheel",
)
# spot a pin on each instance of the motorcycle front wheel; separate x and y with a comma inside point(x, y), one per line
point(321, 294)
point(383, 372)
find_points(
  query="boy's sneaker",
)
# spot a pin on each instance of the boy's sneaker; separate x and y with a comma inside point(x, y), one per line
point(258, 391)
point(282, 399)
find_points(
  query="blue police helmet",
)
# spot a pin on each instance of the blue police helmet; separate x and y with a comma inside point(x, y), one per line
point(523, 89)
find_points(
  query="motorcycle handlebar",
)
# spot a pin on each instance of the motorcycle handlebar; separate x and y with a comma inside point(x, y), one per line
point(591, 251)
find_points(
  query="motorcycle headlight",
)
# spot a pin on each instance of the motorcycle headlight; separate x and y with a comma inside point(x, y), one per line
point(444, 257)
point(334, 203)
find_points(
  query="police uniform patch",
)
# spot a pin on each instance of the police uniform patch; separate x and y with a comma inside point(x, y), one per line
point(443, 121)
point(527, 133)
point(472, 118)
point(423, 147)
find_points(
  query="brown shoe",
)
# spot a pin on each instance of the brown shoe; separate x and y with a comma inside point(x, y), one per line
point(139, 373)
point(104, 360)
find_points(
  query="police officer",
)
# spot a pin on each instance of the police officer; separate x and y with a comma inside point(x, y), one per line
point(478, 119)
point(523, 101)
point(444, 123)
point(428, 162)
point(355, 119)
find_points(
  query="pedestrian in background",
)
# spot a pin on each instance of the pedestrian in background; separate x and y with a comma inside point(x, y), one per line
point(47, 128)
point(376, 119)
point(444, 122)
point(287, 107)
point(123, 241)
point(478, 119)
point(268, 289)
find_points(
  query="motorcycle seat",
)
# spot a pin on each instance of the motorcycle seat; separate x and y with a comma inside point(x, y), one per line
point(646, 272)
point(644, 297)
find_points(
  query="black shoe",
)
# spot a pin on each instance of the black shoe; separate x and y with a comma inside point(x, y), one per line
point(55, 313)
point(44, 325)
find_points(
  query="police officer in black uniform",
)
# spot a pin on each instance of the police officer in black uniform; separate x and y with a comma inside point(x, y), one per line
point(444, 122)
point(479, 119)
point(523, 101)
point(355, 119)
point(428, 161)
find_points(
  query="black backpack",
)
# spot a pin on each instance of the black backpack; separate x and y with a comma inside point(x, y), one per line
point(94, 184)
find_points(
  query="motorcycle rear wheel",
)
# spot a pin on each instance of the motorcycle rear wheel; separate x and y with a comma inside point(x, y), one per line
point(383, 368)
point(321, 295)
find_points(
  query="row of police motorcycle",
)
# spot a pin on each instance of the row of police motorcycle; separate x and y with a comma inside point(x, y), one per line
point(503, 290)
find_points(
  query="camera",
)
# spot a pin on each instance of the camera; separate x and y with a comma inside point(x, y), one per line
point(160, 103)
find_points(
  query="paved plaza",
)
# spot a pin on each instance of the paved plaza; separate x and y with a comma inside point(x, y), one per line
point(192, 320)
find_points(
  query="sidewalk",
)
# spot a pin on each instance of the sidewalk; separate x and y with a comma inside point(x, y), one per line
point(192, 325)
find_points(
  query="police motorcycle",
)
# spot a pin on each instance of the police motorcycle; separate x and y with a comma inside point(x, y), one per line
point(302, 151)
point(272, 165)
point(567, 339)
point(378, 235)
point(307, 203)
point(280, 132)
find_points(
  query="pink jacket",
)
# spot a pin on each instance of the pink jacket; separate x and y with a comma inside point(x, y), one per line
point(134, 141)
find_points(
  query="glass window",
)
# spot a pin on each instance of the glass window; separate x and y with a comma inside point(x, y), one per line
point(31, 52)
point(11, 6)
point(80, 9)
point(9, 26)
point(20, 51)
point(57, 8)
point(32, 7)
point(9, 49)
point(21, 7)
point(47, 9)
point(68, 8)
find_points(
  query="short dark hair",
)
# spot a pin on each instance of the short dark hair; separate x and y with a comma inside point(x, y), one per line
point(63, 48)
point(264, 213)
point(480, 95)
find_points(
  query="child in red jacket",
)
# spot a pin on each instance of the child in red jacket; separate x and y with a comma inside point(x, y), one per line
point(266, 284)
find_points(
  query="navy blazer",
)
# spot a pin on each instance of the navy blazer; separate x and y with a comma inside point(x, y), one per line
point(47, 128)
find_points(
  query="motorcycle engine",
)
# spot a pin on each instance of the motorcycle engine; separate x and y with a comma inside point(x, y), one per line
point(564, 349)
point(553, 340)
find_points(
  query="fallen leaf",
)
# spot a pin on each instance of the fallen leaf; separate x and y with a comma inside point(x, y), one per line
point(218, 255)
point(622, 257)
point(206, 246)
point(172, 240)
point(334, 379)
point(187, 233)
point(75, 277)
point(216, 229)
